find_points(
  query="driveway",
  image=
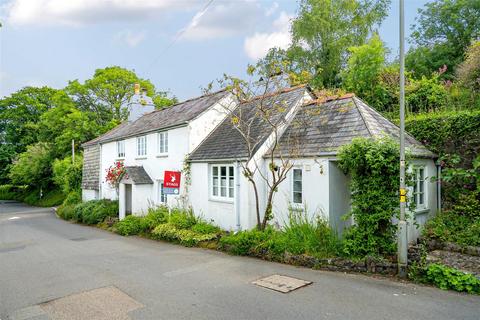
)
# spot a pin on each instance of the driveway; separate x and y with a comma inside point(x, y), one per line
point(52, 269)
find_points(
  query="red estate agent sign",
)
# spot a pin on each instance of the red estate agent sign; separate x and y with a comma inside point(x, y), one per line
point(172, 179)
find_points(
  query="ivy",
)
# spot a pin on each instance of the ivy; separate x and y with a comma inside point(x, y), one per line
point(373, 166)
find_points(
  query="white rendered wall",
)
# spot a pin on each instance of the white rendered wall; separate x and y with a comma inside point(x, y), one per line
point(88, 195)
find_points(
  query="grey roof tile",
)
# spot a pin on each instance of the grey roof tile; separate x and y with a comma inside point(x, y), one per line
point(137, 175)
point(322, 128)
point(226, 142)
point(175, 115)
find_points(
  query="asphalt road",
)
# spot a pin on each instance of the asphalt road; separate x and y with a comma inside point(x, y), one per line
point(43, 258)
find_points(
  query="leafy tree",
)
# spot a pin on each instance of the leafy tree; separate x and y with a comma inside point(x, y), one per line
point(68, 175)
point(425, 94)
point(17, 114)
point(364, 67)
point(468, 72)
point(65, 122)
point(108, 91)
point(34, 166)
point(442, 33)
point(325, 29)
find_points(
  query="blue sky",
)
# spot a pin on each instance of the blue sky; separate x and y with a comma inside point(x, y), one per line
point(180, 45)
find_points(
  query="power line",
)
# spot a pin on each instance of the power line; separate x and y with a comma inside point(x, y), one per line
point(179, 34)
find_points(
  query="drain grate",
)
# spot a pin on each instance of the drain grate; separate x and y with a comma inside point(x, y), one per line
point(280, 283)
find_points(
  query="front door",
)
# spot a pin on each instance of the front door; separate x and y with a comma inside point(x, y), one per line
point(128, 199)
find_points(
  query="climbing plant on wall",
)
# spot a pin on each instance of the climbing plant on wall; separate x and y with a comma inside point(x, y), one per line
point(373, 166)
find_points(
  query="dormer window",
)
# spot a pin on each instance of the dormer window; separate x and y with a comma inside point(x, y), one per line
point(162, 139)
point(121, 149)
point(142, 146)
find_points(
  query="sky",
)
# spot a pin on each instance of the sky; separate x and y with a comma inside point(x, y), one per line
point(180, 45)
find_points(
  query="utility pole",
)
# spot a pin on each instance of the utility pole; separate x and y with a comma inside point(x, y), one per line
point(402, 224)
point(73, 151)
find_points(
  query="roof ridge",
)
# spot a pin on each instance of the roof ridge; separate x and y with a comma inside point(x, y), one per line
point(188, 100)
point(360, 111)
point(271, 94)
point(325, 99)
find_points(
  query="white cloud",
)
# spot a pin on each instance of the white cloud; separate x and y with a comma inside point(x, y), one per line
point(224, 19)
point(131, 38)
point(271, 10)
point(257, 45)
point(81, 12)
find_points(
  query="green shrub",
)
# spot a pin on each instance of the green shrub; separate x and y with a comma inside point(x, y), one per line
point(450, 278)
point(305, 236)
point(204, 227)
point(74, 197)
point(246, 242)
point(99, 211)
point(182, 219)
point(185, 237)
point(68, 175)
point(131, 225)
point(7, 192)
point(449, 226)
point(154, 217)
point(66, 211)
point(49, 199)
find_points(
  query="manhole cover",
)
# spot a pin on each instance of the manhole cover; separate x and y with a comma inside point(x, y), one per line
point(98, 304)
point(280, 283)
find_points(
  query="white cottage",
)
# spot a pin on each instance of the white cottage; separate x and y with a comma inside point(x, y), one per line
point(315, 184)
point(201, 131)
point(149, 143)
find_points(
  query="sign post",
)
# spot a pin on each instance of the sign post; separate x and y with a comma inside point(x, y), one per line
point(171, 182)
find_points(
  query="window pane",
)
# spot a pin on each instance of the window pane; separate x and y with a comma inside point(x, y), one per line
point(230, 171)
point(165, 139)
point(421, 174)
point(223, 171)
point(297, 186)
point(215, 191)
point(215, 171)
point(297, 197)
point(421, 186)
point(297, 174)
point(421, 198)
point(230, 192)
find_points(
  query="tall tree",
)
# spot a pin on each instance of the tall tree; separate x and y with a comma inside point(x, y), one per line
point(325, 29)
point(18, 113)
point(109, 90)
point(443, 31)
point(364, 67)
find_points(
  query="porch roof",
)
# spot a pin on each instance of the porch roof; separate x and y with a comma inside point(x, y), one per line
point(137, 175)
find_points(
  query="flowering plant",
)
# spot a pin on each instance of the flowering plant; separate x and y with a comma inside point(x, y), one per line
point(115, 173)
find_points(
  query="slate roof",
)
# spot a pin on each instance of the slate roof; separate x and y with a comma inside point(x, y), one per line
point(137, 175)
point(226, 142)
point(321, 128)
point(176, 115)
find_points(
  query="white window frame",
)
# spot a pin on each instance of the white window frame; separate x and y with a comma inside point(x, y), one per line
point(141, 146)
point(161, 197)
point(293, 186)
point(162, 143)
point(417, 191)
point(121, 149)
point(217, 190)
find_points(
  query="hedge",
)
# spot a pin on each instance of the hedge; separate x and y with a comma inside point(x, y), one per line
point(448, 133)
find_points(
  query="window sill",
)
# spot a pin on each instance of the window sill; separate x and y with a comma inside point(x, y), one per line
point(120, 159)
point(221, 200)
point(422, 211)
point(141, 158)
point(162, 155)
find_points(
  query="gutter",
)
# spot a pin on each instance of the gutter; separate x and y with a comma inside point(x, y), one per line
point(237, 196)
